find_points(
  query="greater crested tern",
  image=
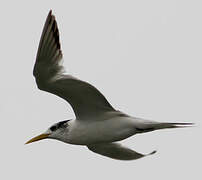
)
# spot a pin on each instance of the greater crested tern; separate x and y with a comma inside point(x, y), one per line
point(97, 125)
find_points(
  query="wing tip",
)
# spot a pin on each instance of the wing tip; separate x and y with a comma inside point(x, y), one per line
point(50, 17)
point(50, 26)
point(153, 152)
point(50, 12)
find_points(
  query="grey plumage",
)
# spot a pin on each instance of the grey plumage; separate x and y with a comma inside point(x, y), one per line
point(97, 125)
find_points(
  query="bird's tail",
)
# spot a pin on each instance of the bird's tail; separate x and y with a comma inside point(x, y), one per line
point(151, 126)
point(172, 125)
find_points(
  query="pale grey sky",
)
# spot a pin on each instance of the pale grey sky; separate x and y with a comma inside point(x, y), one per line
point(144, 56)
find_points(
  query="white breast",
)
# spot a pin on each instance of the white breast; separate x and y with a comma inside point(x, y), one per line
point(91, 132)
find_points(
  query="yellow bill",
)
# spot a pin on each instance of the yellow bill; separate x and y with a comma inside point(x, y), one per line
point(37, 138)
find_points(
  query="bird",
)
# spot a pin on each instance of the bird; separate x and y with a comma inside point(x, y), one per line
point(98, 125)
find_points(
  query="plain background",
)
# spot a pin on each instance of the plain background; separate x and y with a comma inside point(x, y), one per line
point(144, 56)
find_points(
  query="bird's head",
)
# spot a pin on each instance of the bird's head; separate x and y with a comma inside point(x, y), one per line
point(56, 131)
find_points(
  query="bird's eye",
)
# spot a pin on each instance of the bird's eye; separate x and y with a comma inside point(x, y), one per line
point(61, 124)
point(53, 128)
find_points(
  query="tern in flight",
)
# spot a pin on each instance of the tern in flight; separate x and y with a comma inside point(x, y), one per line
point(97, 125)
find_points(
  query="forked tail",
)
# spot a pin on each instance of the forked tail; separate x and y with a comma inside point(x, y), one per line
point(172, 125)
point(151, 126)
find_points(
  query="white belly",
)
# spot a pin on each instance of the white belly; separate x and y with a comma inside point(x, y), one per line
point(91, 132)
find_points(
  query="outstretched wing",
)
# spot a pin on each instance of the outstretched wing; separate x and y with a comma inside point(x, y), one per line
point(85, 99)
point(116, 151)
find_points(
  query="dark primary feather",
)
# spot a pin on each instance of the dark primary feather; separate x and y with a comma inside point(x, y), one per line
point(84, 98)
